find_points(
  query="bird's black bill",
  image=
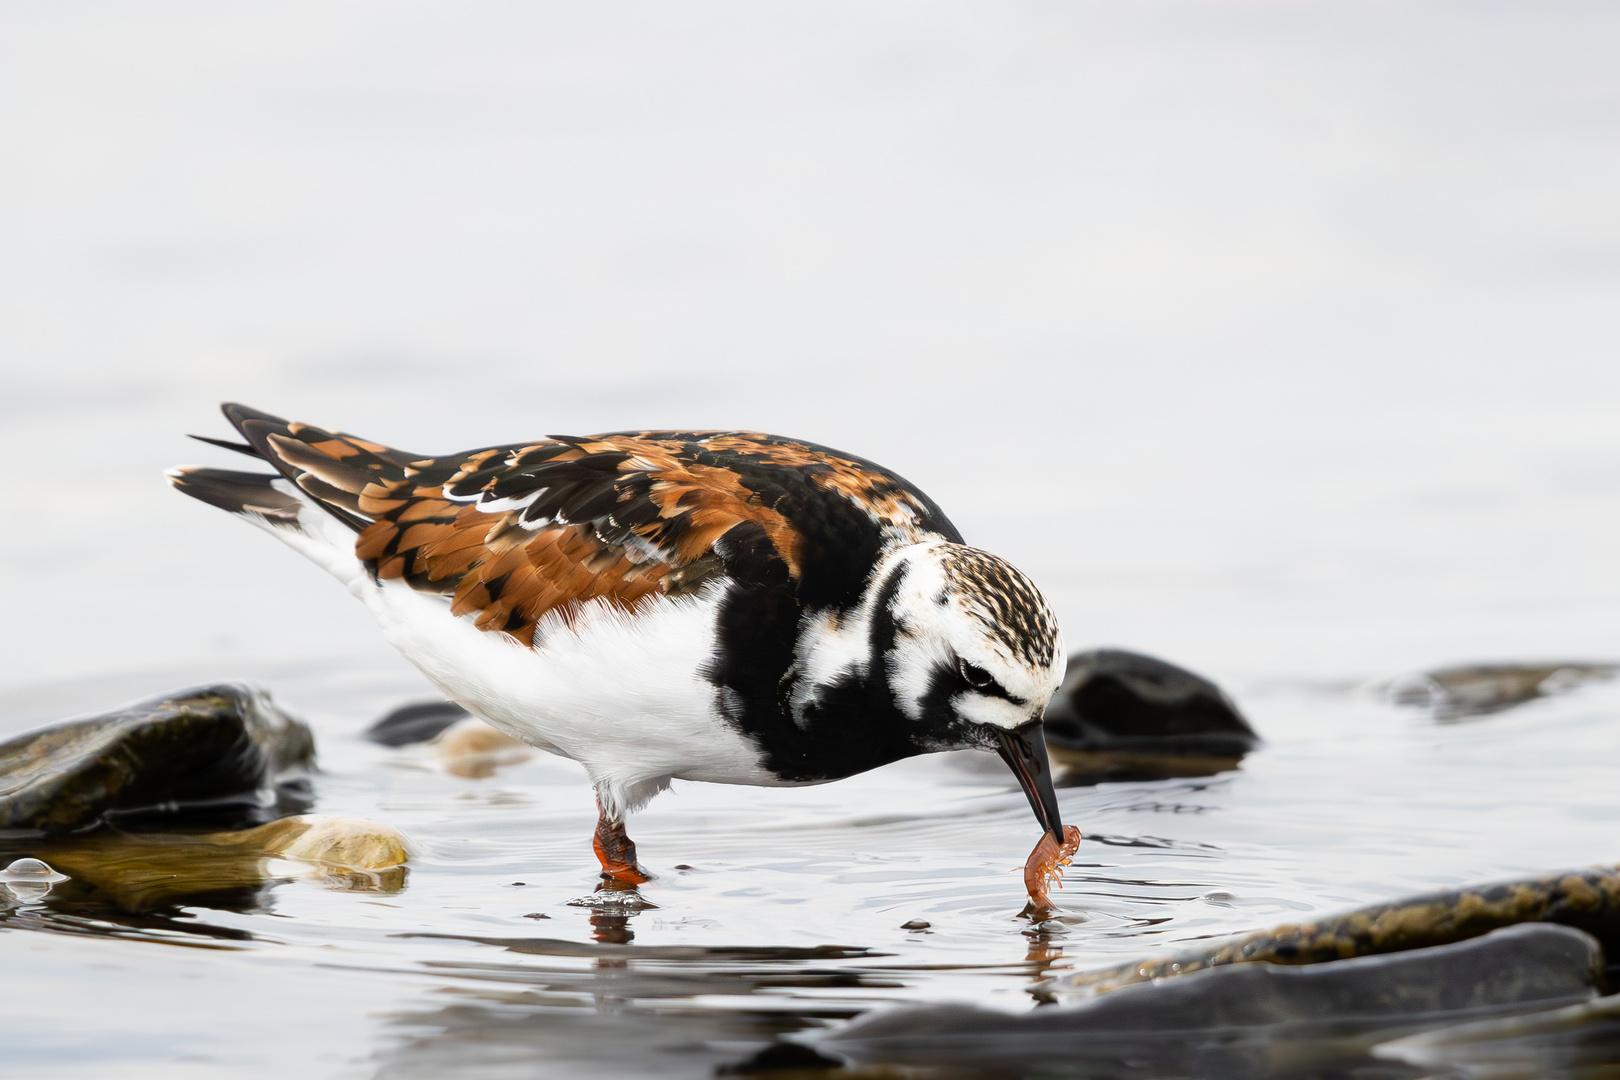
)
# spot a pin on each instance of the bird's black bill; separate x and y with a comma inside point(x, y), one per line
point(1024, 751)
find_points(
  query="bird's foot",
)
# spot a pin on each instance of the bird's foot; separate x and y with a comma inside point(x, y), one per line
point(617, 854)
point(624, 874)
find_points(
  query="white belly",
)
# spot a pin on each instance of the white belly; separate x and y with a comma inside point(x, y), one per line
point(620, 693)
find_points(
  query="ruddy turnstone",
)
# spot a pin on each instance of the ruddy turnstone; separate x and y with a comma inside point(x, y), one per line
point(705, 605)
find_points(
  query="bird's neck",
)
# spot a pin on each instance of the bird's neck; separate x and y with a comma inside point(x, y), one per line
point(822, 707)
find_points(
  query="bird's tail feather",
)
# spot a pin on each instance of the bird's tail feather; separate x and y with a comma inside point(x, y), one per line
point(332, 469)
point(316, 501)
point(238, 492)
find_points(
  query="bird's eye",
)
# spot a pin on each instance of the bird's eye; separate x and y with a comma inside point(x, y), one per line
point(974, 675)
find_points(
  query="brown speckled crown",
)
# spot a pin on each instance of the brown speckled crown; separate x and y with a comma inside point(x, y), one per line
point(1009, 605)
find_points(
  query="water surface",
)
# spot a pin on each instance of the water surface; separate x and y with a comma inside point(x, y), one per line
point(773, 910)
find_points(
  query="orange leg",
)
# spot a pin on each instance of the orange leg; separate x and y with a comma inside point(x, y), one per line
point(616, 851)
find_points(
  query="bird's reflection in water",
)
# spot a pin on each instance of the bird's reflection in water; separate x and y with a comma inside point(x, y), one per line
point(612, 928)
point(614, 904)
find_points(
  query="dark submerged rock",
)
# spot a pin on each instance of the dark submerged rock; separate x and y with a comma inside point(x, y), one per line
point(1255, 1020)
point(216, 755)
point(1455, 693)
point(418, 722)
point(1124, 715)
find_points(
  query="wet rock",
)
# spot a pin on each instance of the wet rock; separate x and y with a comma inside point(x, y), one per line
point(1480, 689)
point(418, 722)
point(345, 843)
point(1254, 1020)
point(1122, 715)
point(1588, 900)
point(465, 745)
point(223, 754)
point(139, 872)
point(475, 749)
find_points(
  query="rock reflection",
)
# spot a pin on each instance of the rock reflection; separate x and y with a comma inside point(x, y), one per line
point(1580, 1042)
point(1085, 768)
point(118, 876)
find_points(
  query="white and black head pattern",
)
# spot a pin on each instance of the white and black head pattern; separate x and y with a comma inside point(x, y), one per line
point(975, 644)
point(948, 647)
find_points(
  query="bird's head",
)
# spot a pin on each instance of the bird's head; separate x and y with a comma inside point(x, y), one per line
point(975, 655)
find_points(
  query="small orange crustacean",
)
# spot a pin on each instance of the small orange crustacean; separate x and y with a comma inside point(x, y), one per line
point(1046, 864)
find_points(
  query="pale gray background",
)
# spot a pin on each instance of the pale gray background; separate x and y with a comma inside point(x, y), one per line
point(1276, 338)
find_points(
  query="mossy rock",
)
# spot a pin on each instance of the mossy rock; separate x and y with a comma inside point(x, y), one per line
point(1587, 900)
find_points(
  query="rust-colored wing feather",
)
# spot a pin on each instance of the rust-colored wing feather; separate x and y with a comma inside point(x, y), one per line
point(512, 534)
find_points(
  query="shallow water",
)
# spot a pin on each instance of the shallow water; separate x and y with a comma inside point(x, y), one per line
point(773, 911)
